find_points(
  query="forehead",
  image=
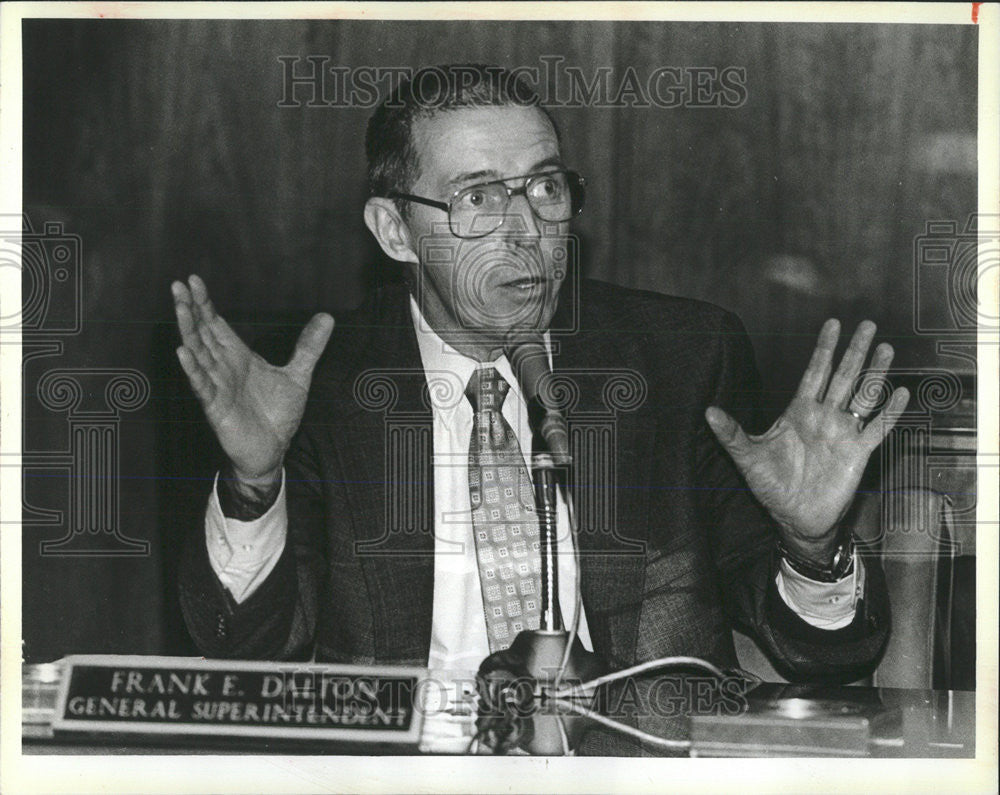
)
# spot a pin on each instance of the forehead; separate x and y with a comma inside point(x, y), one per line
point(476, 144)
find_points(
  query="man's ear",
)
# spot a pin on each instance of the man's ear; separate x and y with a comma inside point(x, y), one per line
point(390, 230)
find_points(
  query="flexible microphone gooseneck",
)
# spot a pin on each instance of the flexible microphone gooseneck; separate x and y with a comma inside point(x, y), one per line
point(550, 457)
point(530, 362)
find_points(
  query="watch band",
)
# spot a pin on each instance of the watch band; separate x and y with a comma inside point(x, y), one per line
point(841, 565)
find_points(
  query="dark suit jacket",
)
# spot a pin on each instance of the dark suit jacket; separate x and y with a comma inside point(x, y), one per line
point(674, 548)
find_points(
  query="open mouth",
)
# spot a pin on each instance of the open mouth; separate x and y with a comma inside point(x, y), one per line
point(526, 283)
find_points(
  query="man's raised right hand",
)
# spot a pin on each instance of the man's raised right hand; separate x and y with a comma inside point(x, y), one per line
point(253, 407)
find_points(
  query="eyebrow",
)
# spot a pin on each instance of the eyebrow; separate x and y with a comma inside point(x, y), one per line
point(488, 175)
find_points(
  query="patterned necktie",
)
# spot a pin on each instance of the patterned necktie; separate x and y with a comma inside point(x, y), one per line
point(503, 515)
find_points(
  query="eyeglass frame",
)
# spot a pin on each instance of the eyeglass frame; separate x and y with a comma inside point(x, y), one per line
point(511, 193)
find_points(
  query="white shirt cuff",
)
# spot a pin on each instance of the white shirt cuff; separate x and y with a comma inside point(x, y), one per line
point(242, 554)
point(826, 605)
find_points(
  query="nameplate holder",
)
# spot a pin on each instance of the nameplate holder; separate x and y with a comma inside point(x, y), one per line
point(183, 696)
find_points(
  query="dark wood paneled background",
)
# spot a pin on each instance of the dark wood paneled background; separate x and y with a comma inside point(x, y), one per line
point(162, 145)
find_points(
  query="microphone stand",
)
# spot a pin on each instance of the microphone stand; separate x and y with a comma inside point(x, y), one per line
point(546, 481)
point(537, 655)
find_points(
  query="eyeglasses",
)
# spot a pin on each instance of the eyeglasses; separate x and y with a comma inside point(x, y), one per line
point(476, 211)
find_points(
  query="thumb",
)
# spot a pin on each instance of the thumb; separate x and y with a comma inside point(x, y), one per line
point(311, 343)
point(729, 433)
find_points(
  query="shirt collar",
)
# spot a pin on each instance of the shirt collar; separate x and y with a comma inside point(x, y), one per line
point(448, 371)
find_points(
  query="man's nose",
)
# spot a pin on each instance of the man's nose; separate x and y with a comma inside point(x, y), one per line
point(520, 220)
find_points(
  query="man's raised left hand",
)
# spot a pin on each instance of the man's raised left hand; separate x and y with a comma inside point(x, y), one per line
point(806, 468)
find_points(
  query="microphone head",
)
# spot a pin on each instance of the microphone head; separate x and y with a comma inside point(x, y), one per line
point(530, 362)
point(528, 359)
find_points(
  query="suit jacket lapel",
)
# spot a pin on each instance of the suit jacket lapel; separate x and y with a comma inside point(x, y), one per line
point(612, 442)
point(387, 445)
point(388, 442)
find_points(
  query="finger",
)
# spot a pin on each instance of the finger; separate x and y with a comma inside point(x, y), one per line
point(311, 343)
point(814, 379)
point(870, 391)
point(854, 358)
point(208, 337)
point(194, 342)
point(191, 321)
point(880, 427)
point(202, 385)
point(193, 333)
point(180, 292)
point(200, 294)
point(729, 433)
point(221, 333)
point(188, 326)
point(224, 333)
point(182, 301)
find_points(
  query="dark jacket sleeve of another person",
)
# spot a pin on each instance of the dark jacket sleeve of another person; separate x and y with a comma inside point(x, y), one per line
point(745, 555)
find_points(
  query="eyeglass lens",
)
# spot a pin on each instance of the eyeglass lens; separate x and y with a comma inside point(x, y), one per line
point(479, 210)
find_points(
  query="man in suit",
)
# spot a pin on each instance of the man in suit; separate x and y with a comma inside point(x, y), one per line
point(352, 522)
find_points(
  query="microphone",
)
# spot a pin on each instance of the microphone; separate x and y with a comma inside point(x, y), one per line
point(514, 685)
point(550, 453)
point(530, 362)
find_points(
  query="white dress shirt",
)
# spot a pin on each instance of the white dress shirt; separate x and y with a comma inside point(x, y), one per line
point(242, 554)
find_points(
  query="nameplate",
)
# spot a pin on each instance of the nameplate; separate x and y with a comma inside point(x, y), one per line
point(276, 701)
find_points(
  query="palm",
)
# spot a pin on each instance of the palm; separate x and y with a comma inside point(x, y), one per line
point(253, 407)
point(255, 410)
point(806, 468)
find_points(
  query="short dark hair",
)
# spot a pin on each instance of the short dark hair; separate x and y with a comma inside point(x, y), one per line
point(389, 147)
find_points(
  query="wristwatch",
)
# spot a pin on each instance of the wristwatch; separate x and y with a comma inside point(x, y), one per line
point(840, 566)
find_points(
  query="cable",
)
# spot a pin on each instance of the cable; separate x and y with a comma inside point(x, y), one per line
point(578, 600)
point(625, 729)
point(563, 737)
point(574, 630)
point(694, 662)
